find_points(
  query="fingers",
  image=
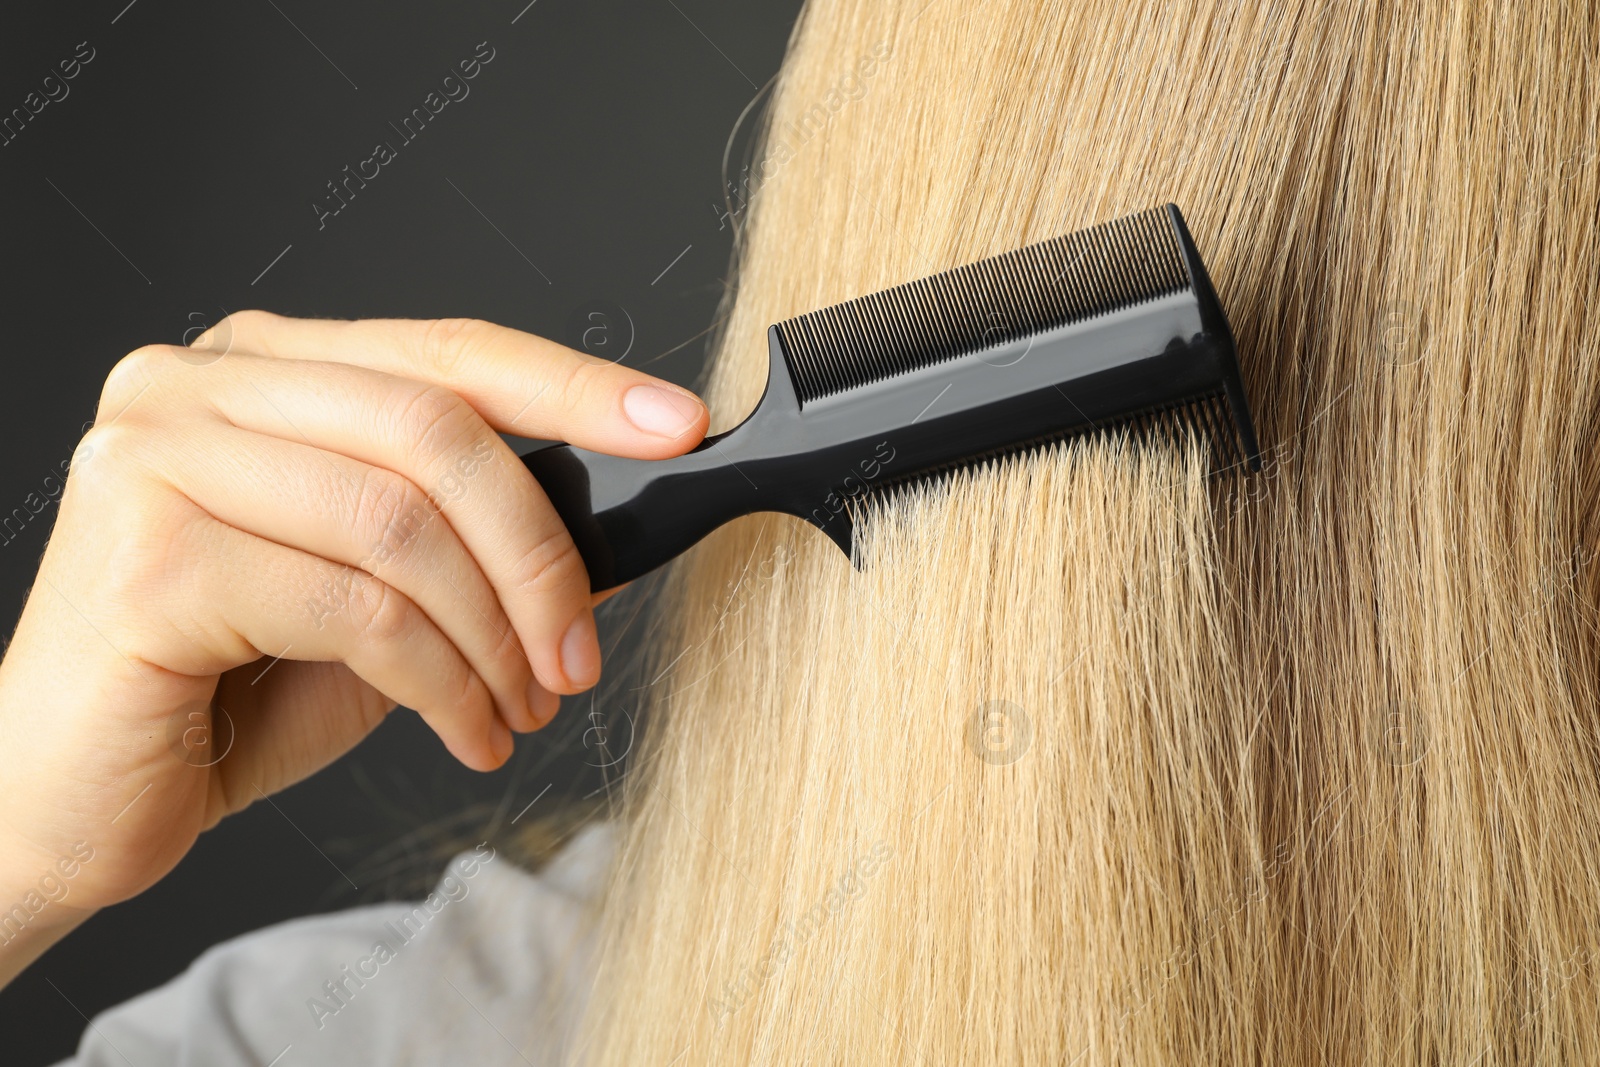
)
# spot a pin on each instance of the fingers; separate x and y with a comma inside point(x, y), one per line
point(365, 517)
point(521, 384)
point(436, 441)
point(238, 582)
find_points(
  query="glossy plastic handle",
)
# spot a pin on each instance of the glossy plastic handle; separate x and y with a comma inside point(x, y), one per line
point(629, 516)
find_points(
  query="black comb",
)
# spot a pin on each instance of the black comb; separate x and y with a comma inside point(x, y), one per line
point(1115, 327)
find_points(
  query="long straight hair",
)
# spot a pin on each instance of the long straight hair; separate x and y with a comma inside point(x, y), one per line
point(1093, 759)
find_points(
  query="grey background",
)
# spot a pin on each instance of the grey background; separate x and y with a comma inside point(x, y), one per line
point(582, 174)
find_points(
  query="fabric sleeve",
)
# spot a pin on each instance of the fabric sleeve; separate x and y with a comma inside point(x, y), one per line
point(489, 968)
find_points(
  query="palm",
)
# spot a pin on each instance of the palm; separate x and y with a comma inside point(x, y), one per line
point(270, 725)
point(285, 725)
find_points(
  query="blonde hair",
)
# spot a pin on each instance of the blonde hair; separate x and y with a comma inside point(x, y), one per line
point(1094, 760)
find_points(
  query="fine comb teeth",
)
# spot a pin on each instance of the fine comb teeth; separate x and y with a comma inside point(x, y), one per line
point(1115, 327)
point(986, 303)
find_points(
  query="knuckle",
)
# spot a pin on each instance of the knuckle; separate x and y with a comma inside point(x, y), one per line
point(550, 564)
point(129, 376)
point(507, 650)
point(250, 322)
point(378, 612)
point(251, 317)
point(137, 365)
point(446, 344)
point(581, 381)
point(434, 418)
point(389, 512)
point(473, 694)
point(156, 533)
point(107, 445)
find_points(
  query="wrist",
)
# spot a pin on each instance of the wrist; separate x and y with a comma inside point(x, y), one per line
point(36, 893)
point(36, 916)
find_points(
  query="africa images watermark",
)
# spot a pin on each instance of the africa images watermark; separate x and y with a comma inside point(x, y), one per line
point(785, 142)
point(862, 474)
point(1282, 856)
point(49, 492)
point(402, 530)
point(999, 732)
point(53, 89)
point(339, 991)
point(741, 590)
point(792, 935)
point(52, 888)
point(34, 503)
point(52, 485)
point(452, 89)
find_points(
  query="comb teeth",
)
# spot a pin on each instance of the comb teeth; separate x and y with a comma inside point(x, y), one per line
point(986, 303)
point(1204, 417)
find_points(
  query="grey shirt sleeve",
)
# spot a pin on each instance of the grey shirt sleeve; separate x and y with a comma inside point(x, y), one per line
point(491, 968)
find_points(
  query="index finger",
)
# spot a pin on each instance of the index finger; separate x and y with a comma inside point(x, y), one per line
point(520, 383)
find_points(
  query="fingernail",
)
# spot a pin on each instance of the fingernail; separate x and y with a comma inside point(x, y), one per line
point(662, 412)
point(580, 651)
point(500, 742)
point(542, 704)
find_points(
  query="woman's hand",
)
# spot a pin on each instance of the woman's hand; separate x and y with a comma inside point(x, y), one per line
point(267, 541)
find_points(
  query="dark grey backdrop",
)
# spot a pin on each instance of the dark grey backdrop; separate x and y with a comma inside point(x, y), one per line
point(176, 178)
